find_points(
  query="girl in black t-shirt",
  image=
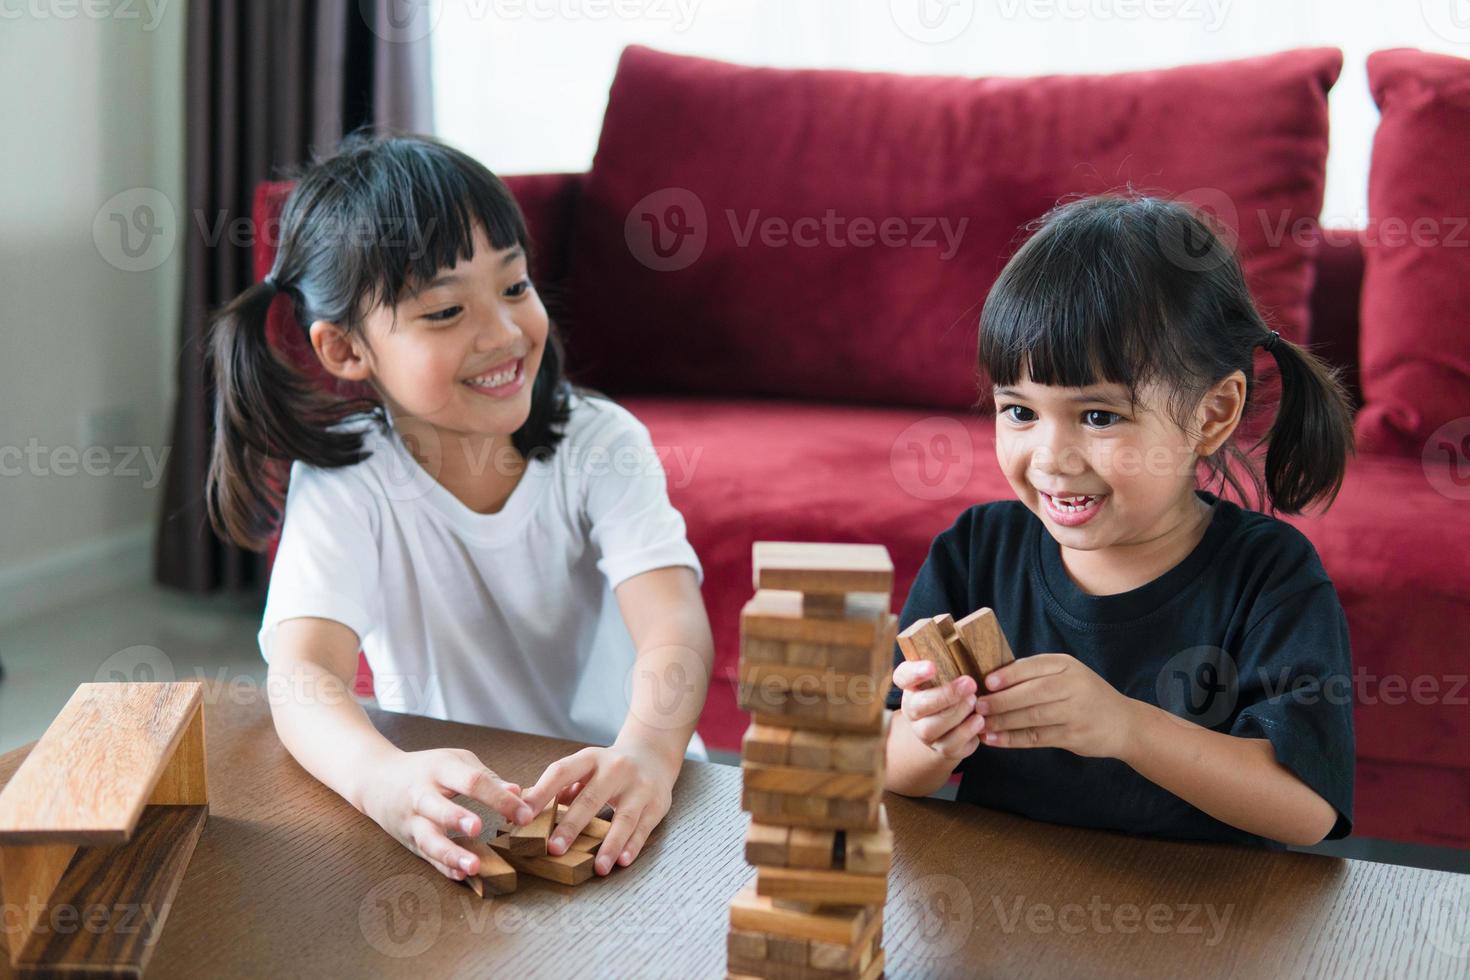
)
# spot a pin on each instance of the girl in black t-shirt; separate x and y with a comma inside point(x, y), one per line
point(1199, 684)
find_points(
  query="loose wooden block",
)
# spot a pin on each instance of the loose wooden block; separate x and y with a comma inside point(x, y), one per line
point(822, 567)
point(825, 783)
point(777, 615)
point(756, 913)
point(923, 641)
point(985, 640)
point(571, 868)
point(117, 781)
point(766, 844)
point(767, 744)
point(496, 875)
point(530, 840)
point(870, 851)
point(821, 887)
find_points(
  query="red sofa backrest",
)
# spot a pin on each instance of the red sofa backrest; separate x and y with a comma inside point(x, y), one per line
point(551, 203)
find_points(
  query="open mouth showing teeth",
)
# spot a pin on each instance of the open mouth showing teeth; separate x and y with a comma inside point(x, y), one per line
point(1073, 503)
point(496, 380)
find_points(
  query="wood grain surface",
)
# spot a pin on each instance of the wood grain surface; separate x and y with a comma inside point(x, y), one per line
point(288, 881)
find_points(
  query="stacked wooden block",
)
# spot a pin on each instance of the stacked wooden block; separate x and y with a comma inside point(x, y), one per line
point(815, 668)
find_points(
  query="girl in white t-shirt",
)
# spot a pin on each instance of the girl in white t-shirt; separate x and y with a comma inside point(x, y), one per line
point(500, 546)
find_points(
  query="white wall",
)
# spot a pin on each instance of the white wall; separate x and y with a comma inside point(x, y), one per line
point(522, 84)
point(91, 105)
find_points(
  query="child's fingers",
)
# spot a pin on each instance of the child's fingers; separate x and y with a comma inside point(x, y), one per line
point(634, 847)
point(921, 704)
point(911, 675)
point(479, 783)
point(1031, 716)
point(575, 768)
point(931, 728)
point(961, 741)
point(569, 794)
point(581, 810)
point(430, 803)
point(624, 822)
point(431, 845)
point(1037, 690)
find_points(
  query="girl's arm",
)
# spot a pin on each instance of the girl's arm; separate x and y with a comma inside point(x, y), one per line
point(312, 665)
point(1054, 700)
point(933, 731)
point(1236, 780)
point(675, 655)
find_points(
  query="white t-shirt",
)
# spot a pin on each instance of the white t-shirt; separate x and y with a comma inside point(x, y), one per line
point(504, 619)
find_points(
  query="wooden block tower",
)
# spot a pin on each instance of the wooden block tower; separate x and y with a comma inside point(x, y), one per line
point(816, 646)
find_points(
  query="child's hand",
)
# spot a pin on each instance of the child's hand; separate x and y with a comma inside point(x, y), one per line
point(409, 798)
point(1054, 700)
point(638, 786)
point(943, 717)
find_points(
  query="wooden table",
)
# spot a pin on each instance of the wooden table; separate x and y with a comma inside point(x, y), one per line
point(289, 880)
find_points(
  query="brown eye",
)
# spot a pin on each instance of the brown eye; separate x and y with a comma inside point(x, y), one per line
point(519, 289)
point(1010, 411)
point(440, 316)
point(1099, 419)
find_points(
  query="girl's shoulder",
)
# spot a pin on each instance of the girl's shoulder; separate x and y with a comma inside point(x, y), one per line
point(596, 420)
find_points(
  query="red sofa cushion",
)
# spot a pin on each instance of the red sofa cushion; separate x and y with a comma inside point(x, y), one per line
point(744, 470)
point(695, 144)
point(1416, 283)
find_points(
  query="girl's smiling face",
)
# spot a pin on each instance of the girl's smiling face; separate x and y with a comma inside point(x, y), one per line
point(462, 352)
point(1100, 471)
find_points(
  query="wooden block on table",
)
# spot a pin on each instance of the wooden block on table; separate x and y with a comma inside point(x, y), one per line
point(571, 868)
point(822, 567)
point(869, 851)
point(839, 924)
point(777, 615)
point(530, 840)
point(767, 844)
point(825, 783)
point(496, 874)
point(766, 744)
point(821, 887)
point(985, 640)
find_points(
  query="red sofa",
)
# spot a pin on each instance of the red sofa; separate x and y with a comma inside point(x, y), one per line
point(767, 441)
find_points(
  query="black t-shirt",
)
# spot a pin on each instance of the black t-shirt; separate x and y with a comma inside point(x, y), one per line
point(1244, 636)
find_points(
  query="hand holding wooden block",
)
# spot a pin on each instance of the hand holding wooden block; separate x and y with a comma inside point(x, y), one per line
point(974, 646)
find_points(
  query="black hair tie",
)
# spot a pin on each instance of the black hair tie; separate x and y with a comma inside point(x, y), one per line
point(1270, 342)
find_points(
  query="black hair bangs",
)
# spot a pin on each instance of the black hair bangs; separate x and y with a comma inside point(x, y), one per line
point(1093, 298)
point(400, 211)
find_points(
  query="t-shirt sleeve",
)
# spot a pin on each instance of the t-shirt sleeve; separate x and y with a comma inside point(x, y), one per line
point(327, 563)
point(942, 586)
point(633, 526)
point(1295, 684)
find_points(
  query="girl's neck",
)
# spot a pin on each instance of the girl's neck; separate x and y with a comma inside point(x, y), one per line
point(480, 471)
point(1123, 568)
